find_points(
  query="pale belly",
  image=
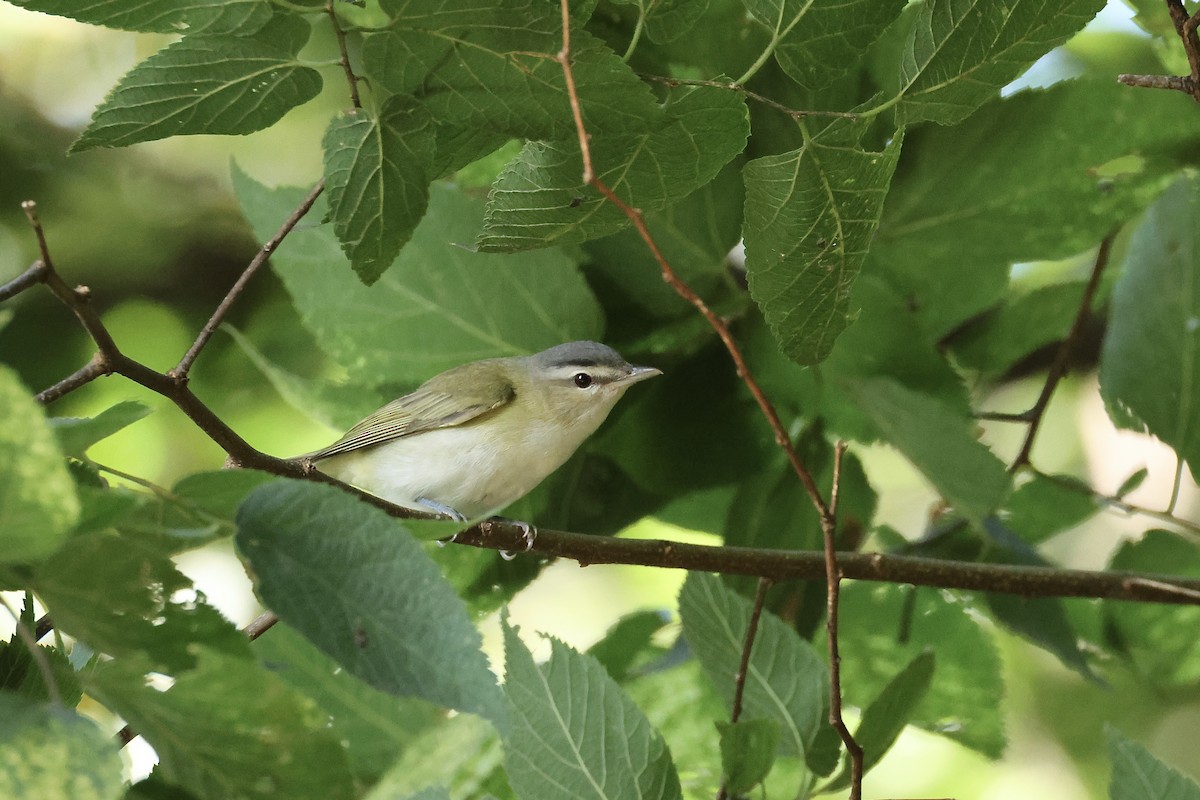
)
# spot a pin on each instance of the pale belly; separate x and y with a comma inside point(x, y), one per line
point(451, 467)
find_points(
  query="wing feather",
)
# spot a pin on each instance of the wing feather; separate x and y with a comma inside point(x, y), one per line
point(431, 406)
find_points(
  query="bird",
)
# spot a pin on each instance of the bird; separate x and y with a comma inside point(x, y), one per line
point(477, 437)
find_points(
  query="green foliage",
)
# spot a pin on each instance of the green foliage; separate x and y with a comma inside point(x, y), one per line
point(914, 240)
point(603, 748)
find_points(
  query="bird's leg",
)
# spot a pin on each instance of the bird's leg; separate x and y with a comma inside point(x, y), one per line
point(445, 511)
point(528, 533)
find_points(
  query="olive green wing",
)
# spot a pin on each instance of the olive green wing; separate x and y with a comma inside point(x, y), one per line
point(441, 402)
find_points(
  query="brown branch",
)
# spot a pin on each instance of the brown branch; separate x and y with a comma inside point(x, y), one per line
point(734, 86)
point(784, 565)
point(1061, 359)
point(833, 579)
point(96, 368)
point(351, 78)
point(1186, 27)
point(739, 680)
point(30, 277)
point(180, 372)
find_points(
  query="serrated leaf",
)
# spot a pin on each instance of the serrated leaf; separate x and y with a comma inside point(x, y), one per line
point(810, 215)
point(539, 199)
point(462, 752)
point(439, 306)
point(1138, 775)
point(38, 504)
point(370, 597)
point(52, 753)
point(203, 84)
point(786, 680)
point(817, 42)
point(887, 715)
point(570, 713)
point(1150, 362)
point(1043, 507)
point(228, 729)
point(626, 640)
point(668, 20)
point(1156, 639)
point(374, 726)
point(747, 752)
point(1025, 178)
point(161, 16)
point(939, 442)
point(122, 595)
point(884, 626)
point(376, 172)
point(77, 434)
point(961, 52)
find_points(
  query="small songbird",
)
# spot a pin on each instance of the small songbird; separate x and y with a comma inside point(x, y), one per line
point(479, 436)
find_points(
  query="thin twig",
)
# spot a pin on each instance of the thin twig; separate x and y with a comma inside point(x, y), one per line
point(30, 277)
point(739, 680)
point(39, 657)
point(351, 78)
point(1121, 504)
point(180, 372)
point(1061, 360)
point(733, 86)
point(1185, 26)
point(1177, 83)
point(96, 368)
point(833, 579)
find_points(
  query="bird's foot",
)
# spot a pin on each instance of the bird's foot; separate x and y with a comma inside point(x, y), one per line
point(528, 534)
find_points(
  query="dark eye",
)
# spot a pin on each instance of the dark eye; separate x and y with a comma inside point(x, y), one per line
point(583, 380)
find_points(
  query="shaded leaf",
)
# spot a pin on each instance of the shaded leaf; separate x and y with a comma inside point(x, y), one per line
point(1022, 324)
point(376, 173)
point(1138, 775)
point(747, 752)
point(1150, 363)
point(810, 215)
point(961, 52)
point(204, 84)
point(38, 504)
point(601, 748)
point(161, 16)
point(417, 321)
point(370, 597)
point(228, 729)
point(626, 640)
point(77, 434)
point(1043, 507)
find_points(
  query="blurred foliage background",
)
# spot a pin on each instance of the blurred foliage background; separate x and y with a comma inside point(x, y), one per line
point(155, 232)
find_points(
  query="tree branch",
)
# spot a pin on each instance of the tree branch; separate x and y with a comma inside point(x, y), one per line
point(1061, 359)
point(30, 277)
point(351, 78)
point(180, 372)
point(1185, 26)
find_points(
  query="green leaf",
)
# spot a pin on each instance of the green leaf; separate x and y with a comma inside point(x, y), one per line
point(1044, 506)
point(1150, 363)
point(417, 320)
point(20, 674)
point(374, 726)
point(123, 595)
point(539, 199)
point(1025, 178)
point(1131, 483)
point(1138, 775)
point(569, 713)
point(38, 504)
point(668, 20)
point(206, 84)
point(810, 215)
point(229, 729)
point(961, 52)
point(1157, 640)
point(786, 680)
point(370, 598)
point(885, 626)
point(492, 67)
point(463, 752)
point(1021, 325)
point(76, 434)
point(885, 718)
point(817, 42)
point(51, 753)
point(939, 443)
point(747, 752)
point(626, 641)
point(376, 172)
point(161, 16)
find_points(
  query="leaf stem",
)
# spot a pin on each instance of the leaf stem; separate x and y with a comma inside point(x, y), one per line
point(637, 32)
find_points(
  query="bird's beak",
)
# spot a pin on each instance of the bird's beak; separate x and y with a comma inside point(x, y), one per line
point(637, 374)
